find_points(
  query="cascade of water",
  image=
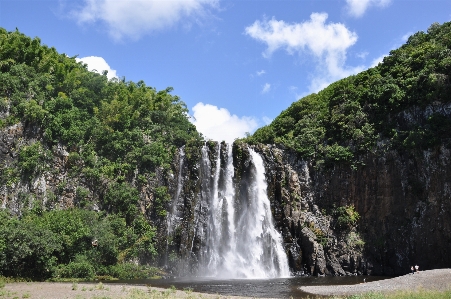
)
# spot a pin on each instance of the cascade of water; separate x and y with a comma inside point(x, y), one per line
point(234, 229)
point(266, 253)
point(215, 222)
point(221, 224)
point(172, 216)
point(242, 242)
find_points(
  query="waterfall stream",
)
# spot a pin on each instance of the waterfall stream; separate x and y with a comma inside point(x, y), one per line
point(238, 236)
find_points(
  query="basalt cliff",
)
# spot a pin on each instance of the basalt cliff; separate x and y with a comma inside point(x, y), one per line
point(403, 204)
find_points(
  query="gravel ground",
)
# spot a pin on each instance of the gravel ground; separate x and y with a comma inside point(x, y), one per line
point(50, 290)
point(439, 280)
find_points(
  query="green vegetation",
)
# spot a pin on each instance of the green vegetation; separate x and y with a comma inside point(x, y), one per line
point(320, 235)
point(117, 133)
point(111, 127)
point(74, 244)
point(32, 159)
point(346, 216)
point(354, 240)
point(348, 117)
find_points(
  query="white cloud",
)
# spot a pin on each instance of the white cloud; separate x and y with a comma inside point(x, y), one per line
point(328, 43)
point(262, 72)
point(406, 36)
point(133, 18)
point(218, 124)
point(362, 55)
point(398, 44)
point(357, 8)
point(98, 64)
point(266, 88)
point(267, 120)
point(377, 60)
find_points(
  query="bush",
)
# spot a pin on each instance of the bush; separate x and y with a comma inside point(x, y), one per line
point(58, 244)
point(346, 216)
point(80, 268)
point(32, 159)
point(132, 271)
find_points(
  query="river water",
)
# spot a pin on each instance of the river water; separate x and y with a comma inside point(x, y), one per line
point(257, 288)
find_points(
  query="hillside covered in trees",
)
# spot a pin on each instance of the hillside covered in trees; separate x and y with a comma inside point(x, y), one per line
point(350, 116)
point(99, 141)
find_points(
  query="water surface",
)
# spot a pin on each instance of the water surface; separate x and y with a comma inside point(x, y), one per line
point(260, 288)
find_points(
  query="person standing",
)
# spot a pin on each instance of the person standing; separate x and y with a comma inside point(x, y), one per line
point(416, 268)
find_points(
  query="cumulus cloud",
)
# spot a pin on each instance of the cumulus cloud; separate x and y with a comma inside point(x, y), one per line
point(328, 43)
point(98, 64)
point(262, 72)
point(218, 124)
point(133, 18)
point(266, 88)
point(357, 8)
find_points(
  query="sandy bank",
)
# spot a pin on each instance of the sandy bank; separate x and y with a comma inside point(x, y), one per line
point(49, 290)
point(439, 280)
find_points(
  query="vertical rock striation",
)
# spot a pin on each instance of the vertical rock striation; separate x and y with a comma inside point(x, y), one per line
point(403, 201)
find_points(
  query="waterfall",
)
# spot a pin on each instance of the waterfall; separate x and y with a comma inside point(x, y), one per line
point(251, 248)
point(172, 216)
point(235, 228)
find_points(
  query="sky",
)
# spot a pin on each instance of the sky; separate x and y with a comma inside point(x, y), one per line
point(237, 64)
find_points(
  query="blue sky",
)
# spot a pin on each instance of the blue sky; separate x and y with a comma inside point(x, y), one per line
point(236, 64)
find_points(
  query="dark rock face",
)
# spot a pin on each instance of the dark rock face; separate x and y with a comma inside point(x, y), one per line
point(314, 246)
point(404, 203)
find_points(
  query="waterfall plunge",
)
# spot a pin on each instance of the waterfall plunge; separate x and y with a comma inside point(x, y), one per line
point(240, 238)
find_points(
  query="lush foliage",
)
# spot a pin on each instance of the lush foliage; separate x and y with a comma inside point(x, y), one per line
point(72, 244)
point(114, 126)
point(118, 134)
point(348, 117)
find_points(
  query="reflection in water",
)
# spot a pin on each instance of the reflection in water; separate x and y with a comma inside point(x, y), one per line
point(257, 288)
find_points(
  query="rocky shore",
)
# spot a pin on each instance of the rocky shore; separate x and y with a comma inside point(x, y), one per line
point(438, 280)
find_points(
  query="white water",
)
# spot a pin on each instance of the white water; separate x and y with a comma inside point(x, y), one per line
point(172, 215)
point(253, 248)
point(241, 241)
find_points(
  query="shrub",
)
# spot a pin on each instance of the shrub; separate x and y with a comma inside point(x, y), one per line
point(80, 268)
point(32, 159)
point(346, 216)
point(132, 271)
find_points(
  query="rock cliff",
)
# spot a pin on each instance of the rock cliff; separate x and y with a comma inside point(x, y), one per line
point(402, 200)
